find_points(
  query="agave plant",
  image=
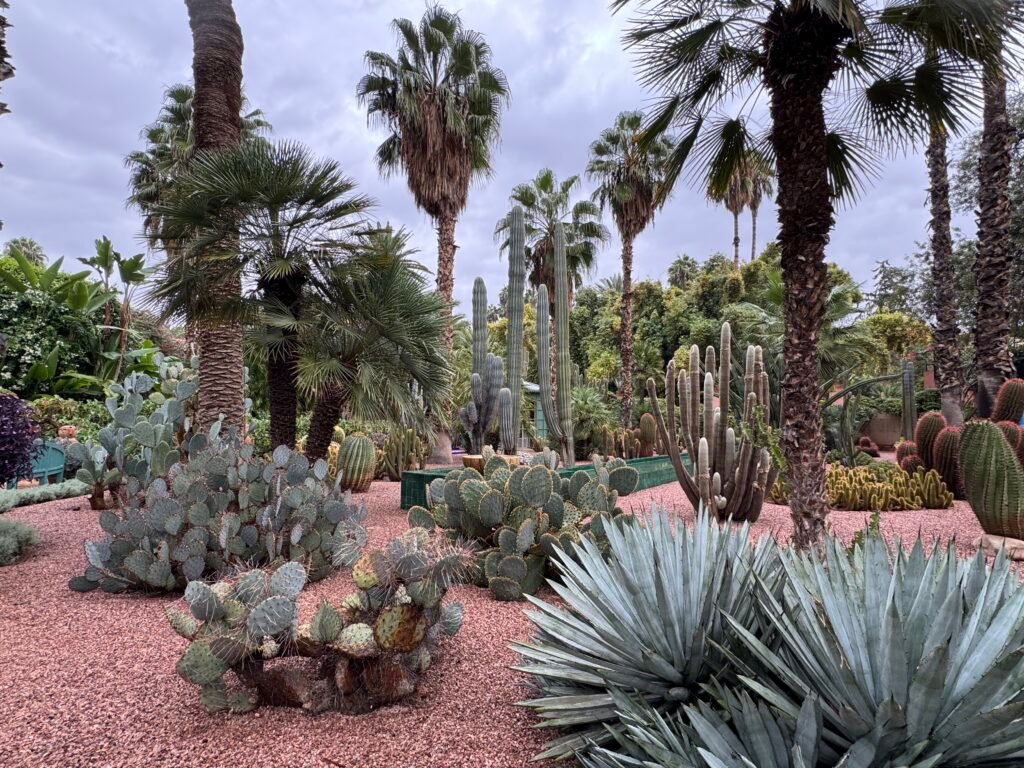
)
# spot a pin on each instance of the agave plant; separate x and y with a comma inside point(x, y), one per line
point(649, 619)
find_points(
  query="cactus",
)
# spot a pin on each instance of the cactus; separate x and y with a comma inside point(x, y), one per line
point(518, 517)
point(928, 428)
point(882, 487)
point(402, 451)
point(648, 435)
point(993, 479)
point(1010, 401)
point(357, 462)
point(371, 649)
point(222, 508)
point(946, 459)
point(478, 415)
point(734, 471)
point(910, 464)
point(516, 293)
point(558, 415)
point(904, 449)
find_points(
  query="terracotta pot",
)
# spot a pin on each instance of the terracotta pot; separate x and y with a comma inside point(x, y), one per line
point(884, 429)
point(512, 461)
point(473, 461)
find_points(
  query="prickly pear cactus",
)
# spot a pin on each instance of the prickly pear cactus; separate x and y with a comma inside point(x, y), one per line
point(371, 649)
point(520, 516)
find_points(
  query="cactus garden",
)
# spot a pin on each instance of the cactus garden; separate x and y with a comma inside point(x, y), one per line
point(413, 435)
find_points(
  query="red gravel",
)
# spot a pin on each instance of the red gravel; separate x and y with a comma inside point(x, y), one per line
point(88, 680)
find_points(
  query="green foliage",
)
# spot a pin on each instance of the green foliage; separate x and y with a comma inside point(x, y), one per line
point(593, 417)
point(898, 334)
point(372, 647)
point(15, 539)
point(39, 494)
point(18, 436)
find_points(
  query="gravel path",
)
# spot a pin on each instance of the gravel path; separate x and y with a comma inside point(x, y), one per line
point(88, 680)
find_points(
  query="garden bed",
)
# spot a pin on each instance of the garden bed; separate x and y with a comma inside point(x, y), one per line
point(89, 679)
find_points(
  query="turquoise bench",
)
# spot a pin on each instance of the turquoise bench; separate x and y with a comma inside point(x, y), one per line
point(48, 462)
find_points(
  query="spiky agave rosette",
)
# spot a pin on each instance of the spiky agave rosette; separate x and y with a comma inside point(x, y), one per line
point(371, 649)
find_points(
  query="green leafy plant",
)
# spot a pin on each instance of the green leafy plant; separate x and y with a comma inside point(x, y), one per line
point(15, 539)
point(18, 435)
point(39, 494)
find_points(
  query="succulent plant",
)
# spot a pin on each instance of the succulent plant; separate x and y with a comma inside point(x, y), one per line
point(557, 406)
point(927, 429)
point(1010, 401)
point(518, 517)
point(904, 449)
point(371, 649)
point(946, 459)
point(882, 487)
point(734, 469)
point(403, 450)
point(357, 461)
point(648, 435)
point(224, 507)
point(509, 416)
point(993, 479)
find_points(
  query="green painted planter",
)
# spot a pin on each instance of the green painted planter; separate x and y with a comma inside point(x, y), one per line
point(654, 471)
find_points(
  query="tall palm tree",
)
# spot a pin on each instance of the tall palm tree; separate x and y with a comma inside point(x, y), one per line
point(734, 196)
point(759, 180)
point(992, 360)
point(217, 74)
point(855, 63)
point(629, 178)
point(288, 214)
point(546, 202)
point(440, 99)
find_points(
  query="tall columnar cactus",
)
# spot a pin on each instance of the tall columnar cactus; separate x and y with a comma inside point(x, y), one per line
point(993, 479)
point(734, 471)
point(357, 462)
point(946, 459)
point(478, 415)
point(1010, 401)
point(558, 415)
point(928, 428)
point(516, 293)
point(648, 435)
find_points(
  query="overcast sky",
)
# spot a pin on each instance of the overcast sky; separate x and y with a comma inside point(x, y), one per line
point(90, 75)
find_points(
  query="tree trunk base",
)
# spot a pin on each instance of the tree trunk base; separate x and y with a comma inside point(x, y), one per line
point(442, 453)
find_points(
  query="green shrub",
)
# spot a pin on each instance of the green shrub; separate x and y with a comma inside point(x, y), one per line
point(15, 538)
point(38, 494)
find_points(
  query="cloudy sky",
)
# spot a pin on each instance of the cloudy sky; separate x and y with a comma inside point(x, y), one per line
point(91, 75)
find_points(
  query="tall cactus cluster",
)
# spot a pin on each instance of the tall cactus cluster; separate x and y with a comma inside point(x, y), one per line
point(485, 383)
point(935, 446)
point(510, 415)
point(734, 469)
point(223, 508)
point(993, 479)
point(403, 450)
point(519, 517)
point(370, 650)
point(876, 487)
point(557, 406)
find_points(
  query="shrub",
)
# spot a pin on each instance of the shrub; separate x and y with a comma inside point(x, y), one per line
point(38, 494)
point(15, 538)
point(368, 651)
point(18, 435)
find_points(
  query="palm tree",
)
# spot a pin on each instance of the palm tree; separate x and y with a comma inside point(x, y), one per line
point(288, 214)
point(682, 269)
point(547, 202)
point(440, 99)
point(759, 180)
point(629, 178)
point(371, 340)
point(217, 73)
point(31, 250)
point(734, 195)
point(864, 61)
point(992, 361)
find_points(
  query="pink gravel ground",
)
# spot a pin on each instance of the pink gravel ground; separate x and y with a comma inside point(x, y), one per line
point(88, 680)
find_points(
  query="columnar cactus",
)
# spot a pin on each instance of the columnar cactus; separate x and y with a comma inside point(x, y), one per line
point(558, 415)
point(734, 471)
point(648, 435)
point(478, 415)
point(946, 459)
point(882, 487)
point(402, 451)
point(1010, 401)
point(357, 462)
point(516, 293)
point(928, 428)
point(993, 479)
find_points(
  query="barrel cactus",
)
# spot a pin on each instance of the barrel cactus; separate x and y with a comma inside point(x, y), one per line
point(357, 462)
point(993, 479)
point(927, 430)
point(946, 459)
point(648, 435)
point(371, 649)
point(1010, 401)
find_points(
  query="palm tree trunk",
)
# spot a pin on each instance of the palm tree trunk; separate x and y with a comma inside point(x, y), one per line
point(282, 373)
point(736, 240)
point(753, 233)
point(801, 63)
point(626, 339)
point(326, 412)
point(992, 361)
point(217, 70)
point(442, 453)
point(948, 371)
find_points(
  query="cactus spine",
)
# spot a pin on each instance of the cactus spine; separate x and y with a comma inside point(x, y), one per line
point(733, 473)
point(946, 459)
point(993, 479)
point(1010, 401)
point(928, 428)
point(516, 290)
point(479, 413)
point(557, 414)
point(357, 461)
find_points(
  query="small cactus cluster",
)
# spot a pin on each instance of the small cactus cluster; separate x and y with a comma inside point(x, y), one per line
point(867, 446)
point(882, 487)
point(357, 462)
point(403, 450)
point(368, 651)
point(993, 475)
point(935, 446)
point(134, 445)
point(222, 508)
point(1009, 402)
point(734, 468)
point(623, 443)
point(519, 517)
